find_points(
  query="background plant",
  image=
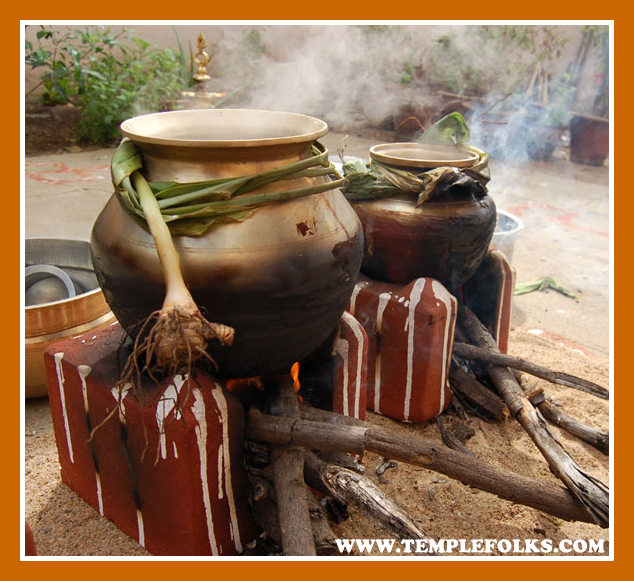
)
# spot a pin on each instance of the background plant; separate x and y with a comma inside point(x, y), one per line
point(110, 76)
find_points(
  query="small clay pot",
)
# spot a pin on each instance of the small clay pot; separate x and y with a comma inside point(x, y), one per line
point(445, 238)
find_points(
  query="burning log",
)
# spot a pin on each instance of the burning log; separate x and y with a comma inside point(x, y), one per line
point(287, 467)
point(592, 493)
point(295, 520)
point(356, 437)
point(495, 357)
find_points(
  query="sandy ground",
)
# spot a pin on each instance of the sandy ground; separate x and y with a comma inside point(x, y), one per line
point(63, 524)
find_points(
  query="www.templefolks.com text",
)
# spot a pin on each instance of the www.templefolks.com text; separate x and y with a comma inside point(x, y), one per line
point(472, 546)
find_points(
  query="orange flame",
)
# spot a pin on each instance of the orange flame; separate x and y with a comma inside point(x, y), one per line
point(295, 376)
point(234, 385)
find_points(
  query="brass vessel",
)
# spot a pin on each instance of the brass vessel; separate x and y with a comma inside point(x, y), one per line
point(281, 278)
point(46, 323)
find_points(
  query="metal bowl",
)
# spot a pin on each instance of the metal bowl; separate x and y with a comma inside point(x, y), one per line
point(81, 309)
point(506, 229)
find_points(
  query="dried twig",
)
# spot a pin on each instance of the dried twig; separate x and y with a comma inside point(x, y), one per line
point(497, 358)
point(477, 393)
point(591, 492)
point(600, 439)
point(356, 437)
point(357, 490)
point(287, 467)
point(450, 439)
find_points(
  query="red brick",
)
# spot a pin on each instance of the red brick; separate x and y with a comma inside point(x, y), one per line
point(489, 293)
point(350, 369)
point(410, 337)
point(170, 476)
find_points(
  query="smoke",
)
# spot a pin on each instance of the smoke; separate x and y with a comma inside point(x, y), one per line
point(348, 75)
point(366, 76)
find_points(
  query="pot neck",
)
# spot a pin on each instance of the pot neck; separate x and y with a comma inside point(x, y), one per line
point(189, 164)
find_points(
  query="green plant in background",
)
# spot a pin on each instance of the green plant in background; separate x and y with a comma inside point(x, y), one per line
point(410, 71)
point(561, 100)
point(544, 43)
point(255, 43)
point(535, 48)
point(64, 54)
point(142, 78)
point(111, 77)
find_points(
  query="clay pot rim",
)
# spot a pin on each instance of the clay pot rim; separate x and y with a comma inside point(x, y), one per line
point(424, 155)
point(166, 128)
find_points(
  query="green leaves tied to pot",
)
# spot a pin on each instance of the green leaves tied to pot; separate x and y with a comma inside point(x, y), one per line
point(190, 209)
point(381, 181)
point(378, 180)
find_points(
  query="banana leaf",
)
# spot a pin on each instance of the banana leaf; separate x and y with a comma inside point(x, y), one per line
point(376, 180)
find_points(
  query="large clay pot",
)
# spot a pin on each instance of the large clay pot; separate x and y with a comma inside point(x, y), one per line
point(445, 238)
point(282, 278)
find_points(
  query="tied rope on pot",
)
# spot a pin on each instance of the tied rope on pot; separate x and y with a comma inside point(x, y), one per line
point(175, 338)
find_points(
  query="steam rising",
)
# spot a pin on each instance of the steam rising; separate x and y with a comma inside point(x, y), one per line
point(360, 75)
point(346, 75)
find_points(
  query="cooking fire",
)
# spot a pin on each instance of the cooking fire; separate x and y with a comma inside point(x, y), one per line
point(321, 293)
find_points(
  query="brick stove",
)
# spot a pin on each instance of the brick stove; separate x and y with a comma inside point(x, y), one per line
point(168, 468)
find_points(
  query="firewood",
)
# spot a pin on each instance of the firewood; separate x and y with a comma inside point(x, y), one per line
point(592, 493)
point(342, 459)
point(477, 393)
point(264, 508)
point(359, 491)
point(265, 513)
point(287, 467)
point(356, 437)
point(598, 438)
point(486, 355)
point(325, 543)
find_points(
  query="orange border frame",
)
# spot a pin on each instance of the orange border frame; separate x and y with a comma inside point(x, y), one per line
point(281, 10)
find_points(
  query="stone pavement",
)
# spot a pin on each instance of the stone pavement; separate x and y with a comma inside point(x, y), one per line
point(565, 209)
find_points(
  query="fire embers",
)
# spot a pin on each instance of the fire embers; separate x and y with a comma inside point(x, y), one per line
point(410, 337)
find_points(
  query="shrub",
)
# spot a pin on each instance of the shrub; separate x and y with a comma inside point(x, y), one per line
point(111, 77)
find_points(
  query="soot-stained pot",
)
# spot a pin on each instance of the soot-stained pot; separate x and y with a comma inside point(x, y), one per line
point(445, 238)
point(281, 278)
